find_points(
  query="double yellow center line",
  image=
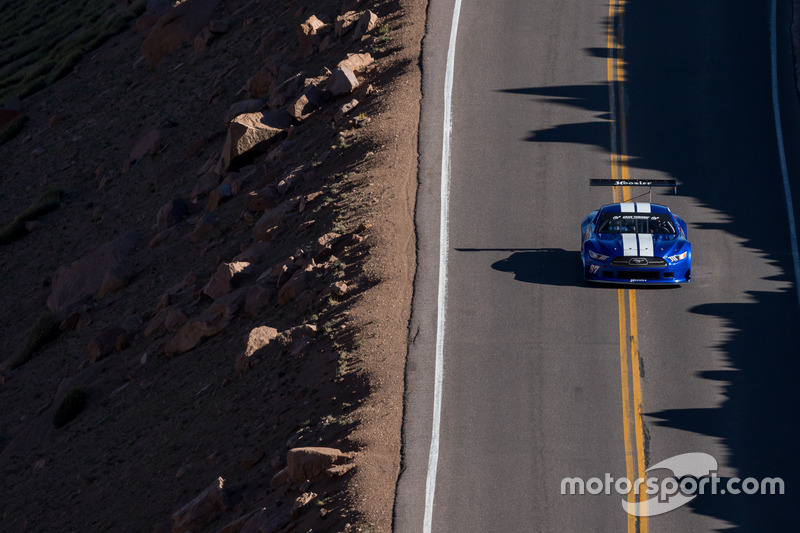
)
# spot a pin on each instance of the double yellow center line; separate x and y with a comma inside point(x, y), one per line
point(633, 427)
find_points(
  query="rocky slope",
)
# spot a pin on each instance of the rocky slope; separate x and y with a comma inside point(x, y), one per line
point(207, 273)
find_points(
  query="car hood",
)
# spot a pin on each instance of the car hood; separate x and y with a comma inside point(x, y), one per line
point(644, 244)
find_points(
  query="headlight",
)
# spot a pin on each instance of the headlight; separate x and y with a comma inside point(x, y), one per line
point(679, 257)
point(598, 257)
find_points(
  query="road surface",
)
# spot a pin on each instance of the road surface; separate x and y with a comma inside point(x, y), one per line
point(541, 377)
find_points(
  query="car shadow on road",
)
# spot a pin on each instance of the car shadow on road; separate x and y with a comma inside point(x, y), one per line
point(550, 266)
point(547, 266)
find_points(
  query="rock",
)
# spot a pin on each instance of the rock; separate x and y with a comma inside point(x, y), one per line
point(356, 62)
point(156, 322)
point(262, 199)
point(153, 11)
point(310, 463)
point(291, 179)
point(174, 318)
point(366, 23)
point(344, 23)
point(294, 287)
point(265, 522)
point(229, 304)
point(345, 108)
point(325, 244)
point(204, 509)
point(309, 35)
point(171, 213)
point(177, 26)
point(263, 81)
point(295, 340)
point(86, 277)
point(257, 339)
point(254, 252)
point(104, 343)
point(339, 470)
point(307, 103)
point(209, 181)
point(112, 282)
point(203, 39)
point(281, 478)
point(285, 91)
point(301, 502)
point(243, 107)
point(151, 144)
point(204, 226)
point(163, 236)
point(221, 282)
point(76, 321)
point(258, 297)
point(337, 289)
point(219, 27)
point(268, 225)
point(252, 134)
point(217, 196)
point(194, 332)
point(342, 81)
point(132, 323)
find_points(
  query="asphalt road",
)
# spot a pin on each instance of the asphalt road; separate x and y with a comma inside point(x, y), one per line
point(545, 378)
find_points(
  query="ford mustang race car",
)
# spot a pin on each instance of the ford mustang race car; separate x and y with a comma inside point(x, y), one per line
point(635, 242)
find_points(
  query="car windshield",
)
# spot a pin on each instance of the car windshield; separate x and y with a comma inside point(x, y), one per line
point(655, 223)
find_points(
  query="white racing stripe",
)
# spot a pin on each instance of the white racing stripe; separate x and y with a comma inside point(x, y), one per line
point(628, 207)
point(645, 244)
point(629, 244)
point(643, 207)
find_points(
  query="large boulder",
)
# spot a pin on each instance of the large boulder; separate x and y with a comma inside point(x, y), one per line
point(311, 463)
point(356, 62)
point(196, 330)
point(95, 274)
point(221, 282)
point(177, 26)
point(342, 81)
point(309, 35)
point(257, 339)
point(251, 134)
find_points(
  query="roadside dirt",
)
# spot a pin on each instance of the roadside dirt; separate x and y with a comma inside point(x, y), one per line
point(157, 430)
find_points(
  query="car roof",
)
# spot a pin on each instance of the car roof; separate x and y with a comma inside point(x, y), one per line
point(635, 207)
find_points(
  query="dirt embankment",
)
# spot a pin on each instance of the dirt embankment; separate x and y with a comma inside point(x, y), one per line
point(207, 329)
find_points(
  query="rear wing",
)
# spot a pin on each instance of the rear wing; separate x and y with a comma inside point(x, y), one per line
point(665, 182)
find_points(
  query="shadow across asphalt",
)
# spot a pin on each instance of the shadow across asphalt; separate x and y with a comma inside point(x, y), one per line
point(692, 115)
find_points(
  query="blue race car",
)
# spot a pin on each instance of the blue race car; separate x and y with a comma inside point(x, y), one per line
point(635, 243)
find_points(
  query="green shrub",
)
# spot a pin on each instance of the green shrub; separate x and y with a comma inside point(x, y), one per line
point(71, 406)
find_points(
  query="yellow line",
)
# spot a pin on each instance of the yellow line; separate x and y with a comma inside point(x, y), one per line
point(626, 402)
point(631, 399)
point(637, 404)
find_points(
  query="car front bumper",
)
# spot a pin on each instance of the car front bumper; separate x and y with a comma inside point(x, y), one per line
point(604, 272)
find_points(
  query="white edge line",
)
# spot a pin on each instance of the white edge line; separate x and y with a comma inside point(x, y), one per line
point(781, 148)
point(433, 457)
